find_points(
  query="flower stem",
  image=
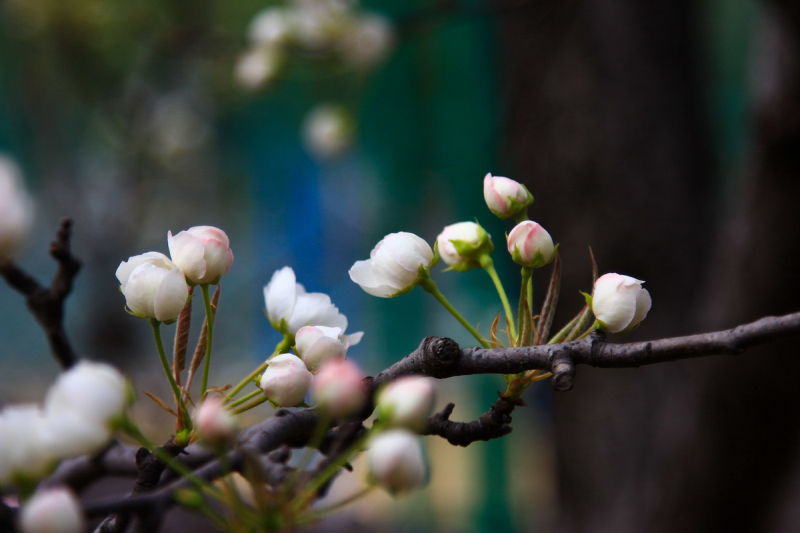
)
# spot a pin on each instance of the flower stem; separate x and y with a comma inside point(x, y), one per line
point(182, 411)
point(523, 292)
point(488, 265)
point(248, 406)
point(246, 398)
point(281, 346)
point(209, 337)
point(429, 286)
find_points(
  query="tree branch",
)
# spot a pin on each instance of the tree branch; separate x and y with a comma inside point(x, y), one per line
point(47, 303)
point(442, 358)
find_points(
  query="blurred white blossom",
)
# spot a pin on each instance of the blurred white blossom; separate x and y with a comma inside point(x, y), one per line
point(16, 208)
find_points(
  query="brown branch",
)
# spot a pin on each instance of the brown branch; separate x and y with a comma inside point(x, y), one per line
point(442, 358)
point(47, 303)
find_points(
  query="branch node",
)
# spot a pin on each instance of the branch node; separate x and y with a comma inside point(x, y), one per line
point(439, 354)
point(563, 369)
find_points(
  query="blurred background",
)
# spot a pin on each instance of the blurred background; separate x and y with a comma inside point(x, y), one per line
point(664, 134)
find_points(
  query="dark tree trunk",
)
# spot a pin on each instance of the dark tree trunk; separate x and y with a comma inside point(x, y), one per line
point(605, 126)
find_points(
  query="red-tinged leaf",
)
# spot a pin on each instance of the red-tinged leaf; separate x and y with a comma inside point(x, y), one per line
point(161, 403)
point(550, 303)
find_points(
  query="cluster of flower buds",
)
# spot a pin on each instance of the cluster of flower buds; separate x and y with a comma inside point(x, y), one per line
point(16, 209)
point(157, 287)
point(317, 329)
point(325, 29)
point(78, 417)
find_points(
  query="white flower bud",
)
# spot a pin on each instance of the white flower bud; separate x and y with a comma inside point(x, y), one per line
point(505, 197)
point(289, 302)
point(368, 40)
point(54, 510)
point(154, 286)
point(395, 462)
point(328, 131)
point(339, 388)
point(286, 380)
point(81, 407)
point(24, 443)
point(406, 402)
point(461, 245)
point(619, 302)
point(258, 67)
point(393, 265)
point(269, 27)
point(16, 209)
point(530, 245)
point(317, 344)
point(213, 422)
point(202, 252)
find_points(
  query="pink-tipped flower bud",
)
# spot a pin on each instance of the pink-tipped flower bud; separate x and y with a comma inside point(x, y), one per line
point(505, 197)
point(202, 252)
point(462, 245)
point(406, 402)
point(395, 462)
point(619, 302)
point(317, 344)
point(213, 422)
point(54, 510)
point(286, 380)
point(339, 388)
point(530, 245)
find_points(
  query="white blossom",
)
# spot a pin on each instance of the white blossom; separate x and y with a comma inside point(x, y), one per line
point(154, 286)
point(286, 380)
point(393, 265)
point(619, 302)
point(395, 462)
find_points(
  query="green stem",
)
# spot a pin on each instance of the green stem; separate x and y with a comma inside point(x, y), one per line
point(184, 413)
point(209, 337)
point(523, 291)
point(521, 216)
point(326, 511)
point(285, 344)
point(429, 286)
point(248, 406)
point(488, 265)
point(314, 485)
point(244, 399)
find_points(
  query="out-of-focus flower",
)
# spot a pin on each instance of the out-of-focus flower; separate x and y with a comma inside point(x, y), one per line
point(286, 380)
point(258, 66)
point(505, 197)
point(619, 302)
point(395, 462)
point(461, 245)
point(16, 209)
point(406, 402)
point(213, 422)
point(154, 286)
point(24, 444)
point(54, 510)
point(81, 407)
point(269, 27)
point(328, 131)
point(316, 344)
point(316, 25)
point(339, 388)
point(202, 252)
point(367, 41)
point(393, 265)
point(289, 304)
point(530, 245)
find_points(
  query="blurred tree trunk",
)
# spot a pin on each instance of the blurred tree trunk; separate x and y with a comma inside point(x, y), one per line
point(605, 125)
